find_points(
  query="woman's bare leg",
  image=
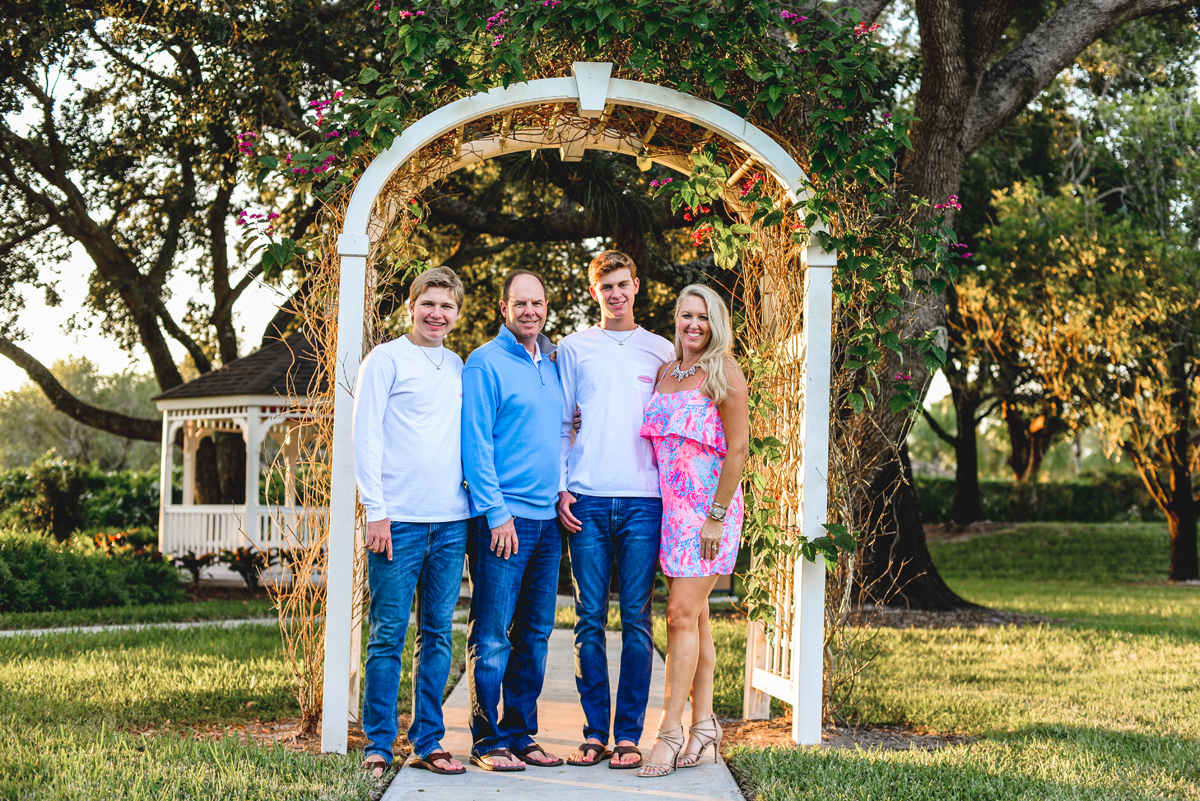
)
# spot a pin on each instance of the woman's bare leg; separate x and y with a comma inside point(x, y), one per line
point(702, 682)
point(686, 604)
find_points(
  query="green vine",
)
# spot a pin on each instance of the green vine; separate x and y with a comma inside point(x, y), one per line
point(810, 83)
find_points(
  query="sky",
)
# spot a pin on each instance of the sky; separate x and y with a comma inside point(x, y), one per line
point(47, 340)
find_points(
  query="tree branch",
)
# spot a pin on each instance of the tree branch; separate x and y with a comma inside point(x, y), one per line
point(937, 428)
point(112, 422)
point(1009, 85)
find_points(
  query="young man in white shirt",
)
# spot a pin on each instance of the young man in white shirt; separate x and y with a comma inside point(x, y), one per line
point(610, 505)
point(408, 467)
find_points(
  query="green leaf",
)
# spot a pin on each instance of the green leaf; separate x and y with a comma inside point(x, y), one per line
point(898, 403)
point(368, 74)
point(856, 402)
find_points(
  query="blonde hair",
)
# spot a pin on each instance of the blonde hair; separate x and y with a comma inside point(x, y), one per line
point(720, 343)
point(440, 277)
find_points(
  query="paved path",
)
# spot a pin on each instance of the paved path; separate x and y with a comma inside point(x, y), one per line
point(561, 718)
point(225, 624)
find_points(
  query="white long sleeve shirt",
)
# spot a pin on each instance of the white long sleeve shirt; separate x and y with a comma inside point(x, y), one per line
point(408, 434)
point(611, 384)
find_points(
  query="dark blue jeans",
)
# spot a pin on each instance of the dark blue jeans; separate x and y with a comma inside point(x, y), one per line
point(508, 631)
point(628, 528)
point(427, 560)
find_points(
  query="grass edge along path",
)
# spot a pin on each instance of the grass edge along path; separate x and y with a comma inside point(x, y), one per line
point(191, 612)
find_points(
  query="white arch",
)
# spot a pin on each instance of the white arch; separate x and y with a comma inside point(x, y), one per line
point(593, 89)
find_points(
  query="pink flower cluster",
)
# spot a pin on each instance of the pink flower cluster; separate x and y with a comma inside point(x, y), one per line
point(951, 203)
point(688, 212)
point(903, 377)
point(751, 182)
point(962, 247)
point(663, 182)
point(700, 234)
point(497, 20)
point(247, 142)
point(245, 218)
point(862, 29)
point(411, 14)
point(788, 16)
point(551, 3)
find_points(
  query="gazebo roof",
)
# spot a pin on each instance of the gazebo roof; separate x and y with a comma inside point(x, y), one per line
point(284, 368)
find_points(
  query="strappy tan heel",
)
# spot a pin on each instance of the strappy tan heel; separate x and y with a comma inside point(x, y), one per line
point(707, 736)
point(652, 770)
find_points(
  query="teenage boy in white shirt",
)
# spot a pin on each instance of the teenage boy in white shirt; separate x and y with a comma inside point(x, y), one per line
point(610, 505)
point(408, 467)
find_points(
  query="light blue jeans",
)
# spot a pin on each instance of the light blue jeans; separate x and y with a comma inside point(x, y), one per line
point(427, 561)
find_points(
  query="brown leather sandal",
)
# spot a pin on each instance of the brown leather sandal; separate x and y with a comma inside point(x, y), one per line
point(622, 750)
point(373, 765)
point(594, 749)
point(523, 755)
point(428, 764)
point(482, 761)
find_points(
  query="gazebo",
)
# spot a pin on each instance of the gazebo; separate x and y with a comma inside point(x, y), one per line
point(263, 398)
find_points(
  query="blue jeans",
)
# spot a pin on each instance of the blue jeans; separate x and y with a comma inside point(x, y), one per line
point(427, 560)
point(508, 631)
point(628, 528)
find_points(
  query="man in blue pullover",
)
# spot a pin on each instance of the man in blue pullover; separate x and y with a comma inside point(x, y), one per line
point(512, 413)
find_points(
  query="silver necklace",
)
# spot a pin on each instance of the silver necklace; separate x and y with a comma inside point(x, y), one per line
point(614, 339)
point(438, 365)
point(682, 374)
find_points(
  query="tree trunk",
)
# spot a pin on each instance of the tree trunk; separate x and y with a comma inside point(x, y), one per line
point(897, 564)
point(1181, 514)
point(1030, 440)
point(968, 506)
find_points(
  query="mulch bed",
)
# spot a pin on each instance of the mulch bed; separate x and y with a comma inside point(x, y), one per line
point(897, 618)
point(208, 591)
point(778, 731)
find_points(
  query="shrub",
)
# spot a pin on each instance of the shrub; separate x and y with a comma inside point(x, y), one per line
point(63, 497)
point(39, 574)
point(1109, 498)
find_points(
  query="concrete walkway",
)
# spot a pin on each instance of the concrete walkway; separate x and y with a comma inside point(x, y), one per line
point(561, 719)
point(225, 624)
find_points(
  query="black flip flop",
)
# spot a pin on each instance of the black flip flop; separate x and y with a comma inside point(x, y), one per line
point(523, 755)
point(622, 750)
point(427, 764)
point(479, 761)
point(591, 748)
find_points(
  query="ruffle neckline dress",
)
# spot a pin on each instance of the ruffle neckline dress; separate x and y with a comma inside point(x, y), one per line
point(689, 443)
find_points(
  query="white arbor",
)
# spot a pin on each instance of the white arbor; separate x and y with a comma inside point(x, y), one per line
point(589, 96)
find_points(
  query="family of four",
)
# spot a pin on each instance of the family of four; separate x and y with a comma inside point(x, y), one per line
point(634, 446)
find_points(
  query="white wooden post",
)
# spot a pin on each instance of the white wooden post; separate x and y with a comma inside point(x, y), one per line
point(165, 466)
point(343, 495)
point(250, 520)
point(191, 441)
point(808, 638)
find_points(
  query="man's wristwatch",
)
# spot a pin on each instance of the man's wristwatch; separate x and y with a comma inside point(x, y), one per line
point(717, 512)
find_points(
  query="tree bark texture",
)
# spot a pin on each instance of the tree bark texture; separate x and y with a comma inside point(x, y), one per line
point(963, 100)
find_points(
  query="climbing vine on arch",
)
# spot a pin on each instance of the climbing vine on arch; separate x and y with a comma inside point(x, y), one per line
point(810, 83)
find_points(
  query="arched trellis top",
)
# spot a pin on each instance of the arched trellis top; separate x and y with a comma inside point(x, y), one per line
point(593, 88)
point(794, 672)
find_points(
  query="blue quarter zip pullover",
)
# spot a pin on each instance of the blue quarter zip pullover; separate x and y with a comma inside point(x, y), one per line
point(511, 419)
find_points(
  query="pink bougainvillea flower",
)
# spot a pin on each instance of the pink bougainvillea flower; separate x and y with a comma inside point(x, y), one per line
point(951, 203)
point(903, 377)
point(862, 29)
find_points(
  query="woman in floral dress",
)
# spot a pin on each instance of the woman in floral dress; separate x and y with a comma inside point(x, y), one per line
point(698, 421)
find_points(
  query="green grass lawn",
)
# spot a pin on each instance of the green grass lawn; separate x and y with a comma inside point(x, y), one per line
point(1104, 706)
point(149, 613)
point(71, 704)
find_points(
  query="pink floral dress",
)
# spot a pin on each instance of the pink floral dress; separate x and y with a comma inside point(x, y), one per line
point(689, 444)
